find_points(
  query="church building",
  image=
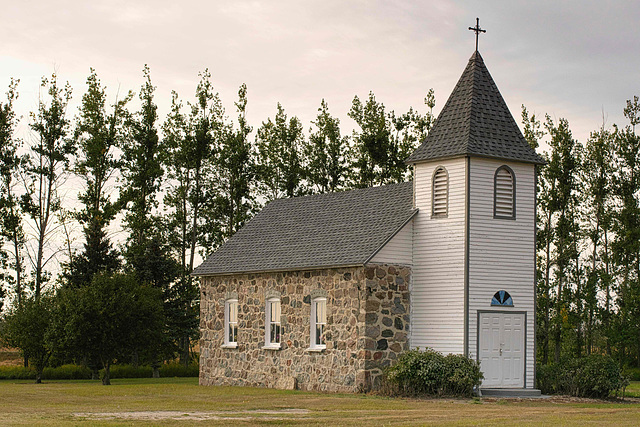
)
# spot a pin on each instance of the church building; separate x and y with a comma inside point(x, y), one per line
point(323, 292)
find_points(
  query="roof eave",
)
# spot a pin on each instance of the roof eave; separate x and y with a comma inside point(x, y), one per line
point(456, 156)
point(278, 270)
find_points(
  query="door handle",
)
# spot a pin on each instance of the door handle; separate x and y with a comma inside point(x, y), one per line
point(500, 352)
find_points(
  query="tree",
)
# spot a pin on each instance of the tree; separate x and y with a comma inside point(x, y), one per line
point(326, 153)
point(280, 147)
point(26, 327)
point(407, 132)
point(231, 200)
point(142, 172)
point(45, 172)
point(384, 141)
point(564, 165)
point(11, 228)
point(371, 145)
point(97, 135)
point(626, 244)
point(597, 201)
point(191, 143)
point(109, 319)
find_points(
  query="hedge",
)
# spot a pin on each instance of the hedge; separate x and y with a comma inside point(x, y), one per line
point(77, 372)
point(591, 376)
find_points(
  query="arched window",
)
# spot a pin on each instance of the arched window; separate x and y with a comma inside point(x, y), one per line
point(273, 329)
point(440, 193)
point(504, 193)
point(231, 323)
point(502, 298)
point(318, 322)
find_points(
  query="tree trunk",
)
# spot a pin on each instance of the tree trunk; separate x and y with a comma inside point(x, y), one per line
point(106, 380)
point(156, 372)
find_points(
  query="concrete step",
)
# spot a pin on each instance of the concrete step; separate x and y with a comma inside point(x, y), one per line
point(511, 392)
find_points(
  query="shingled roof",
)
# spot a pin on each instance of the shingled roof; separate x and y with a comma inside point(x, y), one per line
point(475, 121)
point(319, 231)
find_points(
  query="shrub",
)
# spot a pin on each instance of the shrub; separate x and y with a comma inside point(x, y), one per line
point(431, 373)
point(591, 376)
point(632, 373)
point(179, 370)
point(17, 373)
point(67, 372)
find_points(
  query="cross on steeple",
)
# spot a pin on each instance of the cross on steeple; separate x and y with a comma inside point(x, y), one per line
point(477, 30)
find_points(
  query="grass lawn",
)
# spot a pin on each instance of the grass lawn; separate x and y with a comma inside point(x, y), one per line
point(633, 390)
point(180, 401)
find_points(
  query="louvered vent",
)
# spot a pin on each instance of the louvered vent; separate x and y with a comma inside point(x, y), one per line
point(440, 190)
point(504, 202)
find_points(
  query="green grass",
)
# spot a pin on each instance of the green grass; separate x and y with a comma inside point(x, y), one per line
point(180, 401)
point(633, 390)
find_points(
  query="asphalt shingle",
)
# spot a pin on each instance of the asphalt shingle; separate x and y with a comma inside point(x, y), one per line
point(475, 121)
point(323, 230)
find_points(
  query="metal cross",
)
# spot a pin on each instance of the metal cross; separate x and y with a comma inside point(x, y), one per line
point(477, 30)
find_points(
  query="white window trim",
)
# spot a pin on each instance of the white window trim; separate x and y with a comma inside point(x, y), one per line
point(313, 347)
point(227, 342)
point(268, 345)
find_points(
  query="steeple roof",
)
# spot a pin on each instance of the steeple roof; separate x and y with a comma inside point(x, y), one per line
point(475, 121)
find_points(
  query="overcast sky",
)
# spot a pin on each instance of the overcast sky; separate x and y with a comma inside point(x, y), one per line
point(568, 59)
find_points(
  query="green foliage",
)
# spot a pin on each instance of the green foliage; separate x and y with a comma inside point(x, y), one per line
point(326, 153)
point(109, 319)
point(280, 170)
point(97, 134)
point(591, 376)
point(431, 373)
point(632, 373)
point(25, 327)
point(385, 140)
point(166, 371)
point(11, 221)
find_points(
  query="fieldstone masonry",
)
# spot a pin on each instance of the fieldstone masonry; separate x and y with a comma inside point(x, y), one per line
point(367, 327)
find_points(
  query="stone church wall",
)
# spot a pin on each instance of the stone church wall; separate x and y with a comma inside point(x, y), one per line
point(367, 327)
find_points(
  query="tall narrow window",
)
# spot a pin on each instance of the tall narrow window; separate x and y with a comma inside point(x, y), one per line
point(318, 322)
point(504, 193)
point(440, 193)
point(231, 323)
point(273, 328)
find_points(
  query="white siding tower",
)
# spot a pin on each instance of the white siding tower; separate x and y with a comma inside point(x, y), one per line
point(473, 287)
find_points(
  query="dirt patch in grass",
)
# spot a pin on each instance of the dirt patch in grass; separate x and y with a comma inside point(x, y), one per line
point(252, 415)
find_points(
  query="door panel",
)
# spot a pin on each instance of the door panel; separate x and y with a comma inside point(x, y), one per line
point(501, 349)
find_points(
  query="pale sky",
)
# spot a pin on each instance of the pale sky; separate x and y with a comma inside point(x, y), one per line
point(569, 59)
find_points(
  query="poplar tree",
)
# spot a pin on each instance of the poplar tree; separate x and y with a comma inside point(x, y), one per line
point(190, 142)
point(45, 172)
point(11, 227)
point(626, 245)
point(597, 201)
point(232, 201)
point(371, 143)
point(97, 134)
point(326, 153)
point(564, 164)
point(280, 150)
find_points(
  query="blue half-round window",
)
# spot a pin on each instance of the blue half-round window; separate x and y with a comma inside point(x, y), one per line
point(502, 298)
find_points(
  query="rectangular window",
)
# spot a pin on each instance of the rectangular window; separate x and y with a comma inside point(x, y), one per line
point(318, 322)
point(231, 323)
point(274, 328)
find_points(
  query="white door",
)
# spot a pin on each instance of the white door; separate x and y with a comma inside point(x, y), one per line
point(501, 350)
